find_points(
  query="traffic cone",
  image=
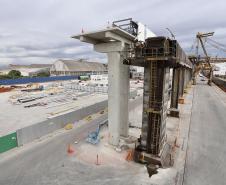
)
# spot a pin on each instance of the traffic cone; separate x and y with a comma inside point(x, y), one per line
point(70, 150)
point(129, 156)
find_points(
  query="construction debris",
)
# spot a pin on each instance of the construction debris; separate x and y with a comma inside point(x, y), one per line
point(39, 88)
point(5, 89)
point(69, 126)
point(181, 100)
point(129, 156)
point(29, 99)
point(35, 105)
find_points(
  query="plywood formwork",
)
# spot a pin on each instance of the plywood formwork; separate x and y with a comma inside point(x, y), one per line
point(154, 106)
point(157, 55)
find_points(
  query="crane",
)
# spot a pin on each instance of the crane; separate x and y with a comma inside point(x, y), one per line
point(206, 63)
point(208, 66)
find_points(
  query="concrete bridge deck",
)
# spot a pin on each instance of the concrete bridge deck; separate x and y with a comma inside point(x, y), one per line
point(206, 152)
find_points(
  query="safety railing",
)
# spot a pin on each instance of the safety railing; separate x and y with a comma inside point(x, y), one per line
point(155, 52)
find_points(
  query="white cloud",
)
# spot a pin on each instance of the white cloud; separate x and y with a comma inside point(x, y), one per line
point(39, 31)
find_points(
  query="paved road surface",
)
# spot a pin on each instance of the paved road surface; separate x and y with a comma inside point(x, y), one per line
point(48, 162)
point(27, 167)
point(206, 155)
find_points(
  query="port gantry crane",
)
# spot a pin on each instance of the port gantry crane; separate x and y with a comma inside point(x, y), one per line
point(206, 63)
point(200, 37)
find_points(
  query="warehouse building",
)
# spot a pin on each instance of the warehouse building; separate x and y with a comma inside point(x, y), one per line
point(76, 67)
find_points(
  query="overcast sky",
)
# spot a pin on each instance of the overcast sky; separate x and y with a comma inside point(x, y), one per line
point(38, 31)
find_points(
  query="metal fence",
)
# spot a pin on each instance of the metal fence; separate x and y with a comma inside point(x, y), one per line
point(36, 80)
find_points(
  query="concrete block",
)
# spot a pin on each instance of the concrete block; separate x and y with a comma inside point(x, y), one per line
point(32, 132)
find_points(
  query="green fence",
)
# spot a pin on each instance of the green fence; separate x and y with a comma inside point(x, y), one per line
point(8, 142)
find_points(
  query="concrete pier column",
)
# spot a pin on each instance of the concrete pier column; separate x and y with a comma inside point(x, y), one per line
point(114, 42)
point(175, 88)
point(181, 84)
point(185, 78)
point(156, 85)
point(118, 90)
point(194, 69)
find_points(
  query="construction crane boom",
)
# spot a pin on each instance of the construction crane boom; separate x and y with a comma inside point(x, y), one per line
point(200, 37)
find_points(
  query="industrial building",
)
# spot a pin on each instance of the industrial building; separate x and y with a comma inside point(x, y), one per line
point(76, 67)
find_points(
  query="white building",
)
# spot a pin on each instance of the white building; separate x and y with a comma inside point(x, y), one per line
point(220, 69)
point(76, 67)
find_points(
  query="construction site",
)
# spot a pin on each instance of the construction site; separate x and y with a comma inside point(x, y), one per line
point(163, 125)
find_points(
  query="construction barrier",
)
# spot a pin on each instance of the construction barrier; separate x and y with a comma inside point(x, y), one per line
point(8, 142)
point(32, 132)
point(36, 80)
point(220, 82)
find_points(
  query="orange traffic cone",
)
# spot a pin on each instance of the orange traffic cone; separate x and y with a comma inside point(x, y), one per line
point(70, 150)
point(129, 156)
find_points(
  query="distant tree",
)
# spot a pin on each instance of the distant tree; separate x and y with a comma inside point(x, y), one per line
point(14, 74)
point(4, 77)
point(43, 74)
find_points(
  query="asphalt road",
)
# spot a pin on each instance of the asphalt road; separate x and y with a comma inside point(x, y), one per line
point(27, 167)
point(48, 163)
point(206, 154)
